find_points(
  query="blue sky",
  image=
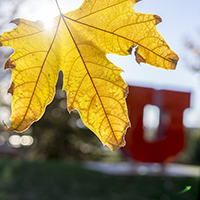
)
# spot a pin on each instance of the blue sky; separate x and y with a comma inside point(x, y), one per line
point(180, 19)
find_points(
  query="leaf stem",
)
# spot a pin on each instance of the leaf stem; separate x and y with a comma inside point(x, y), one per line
point(58, 7)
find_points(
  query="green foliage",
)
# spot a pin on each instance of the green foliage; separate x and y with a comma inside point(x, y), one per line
point(191, 153)
point(64, 181)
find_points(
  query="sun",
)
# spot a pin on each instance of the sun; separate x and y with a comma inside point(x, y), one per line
point(46, 10)
point(44, 13)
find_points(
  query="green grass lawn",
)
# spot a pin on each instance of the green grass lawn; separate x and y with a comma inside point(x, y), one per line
point(52, 180)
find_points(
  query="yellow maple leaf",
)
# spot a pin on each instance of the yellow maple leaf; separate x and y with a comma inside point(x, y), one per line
point(77, 44)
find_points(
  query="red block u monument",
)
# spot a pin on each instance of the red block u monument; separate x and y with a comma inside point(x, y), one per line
point(169, 138)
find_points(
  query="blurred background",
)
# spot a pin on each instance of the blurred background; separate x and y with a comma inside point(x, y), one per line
point(59, 158)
